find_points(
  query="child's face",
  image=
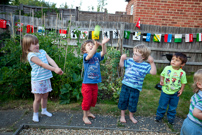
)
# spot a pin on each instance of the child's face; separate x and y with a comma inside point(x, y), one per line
point(34, 47)
point(89, 47)
point(176, 63)
point(137, 56)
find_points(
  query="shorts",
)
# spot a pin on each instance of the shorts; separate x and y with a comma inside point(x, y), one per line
point(41, 87)
point(128, 98)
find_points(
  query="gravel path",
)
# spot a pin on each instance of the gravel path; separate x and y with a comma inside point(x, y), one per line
point(34, 131)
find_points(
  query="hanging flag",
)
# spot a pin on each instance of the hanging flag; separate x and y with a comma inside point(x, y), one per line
point(157, 38)
point(73, 34)
point(138, 23)
point(168, 38)
point(84, 34)
point(126, 34)
point(198, 37)
point(188, 37)
point(19, 26)
point(146, 37)
point(41, 30)
point(136, 35)
point(2, 23)
point(63, 33)
point(116, 34)
point(94, 36)
point(178, 38)
point(30, 28)
point(106, 34)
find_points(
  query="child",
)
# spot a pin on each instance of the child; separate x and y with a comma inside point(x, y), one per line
point(40, 74)
point(173, 80)
point(192, 125)
point(135, 71)
point(92, 75)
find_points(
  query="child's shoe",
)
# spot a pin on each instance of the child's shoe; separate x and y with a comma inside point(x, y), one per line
point(46, 113)
point(171, 121)
point(158, 119)
point(35, 117)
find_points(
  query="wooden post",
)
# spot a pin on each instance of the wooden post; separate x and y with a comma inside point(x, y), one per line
point(68, 40)
point(33, 19)
point(121, 37)
point(12, 26)
point(20, 25)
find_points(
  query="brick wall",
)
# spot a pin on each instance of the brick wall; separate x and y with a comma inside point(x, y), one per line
point(177, 13)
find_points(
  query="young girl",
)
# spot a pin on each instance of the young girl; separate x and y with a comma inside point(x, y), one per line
point(40, 74)
point(192, 125)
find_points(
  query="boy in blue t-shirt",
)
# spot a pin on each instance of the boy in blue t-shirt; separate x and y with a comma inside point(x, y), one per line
point(92, 75)
point(135, 71)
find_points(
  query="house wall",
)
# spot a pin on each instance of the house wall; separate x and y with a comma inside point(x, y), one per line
point(177, 13)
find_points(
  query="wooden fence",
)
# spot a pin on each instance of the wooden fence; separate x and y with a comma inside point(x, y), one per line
point(193, 49)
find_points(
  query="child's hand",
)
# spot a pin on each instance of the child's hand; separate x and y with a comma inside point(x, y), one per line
point(105, 40)
point(123, 57)
point(58, 71)
point(150, 59)
point(161, 83)
point(180, 92)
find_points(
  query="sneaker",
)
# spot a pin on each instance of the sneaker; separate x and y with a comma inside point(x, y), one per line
point(35, 118)
point(46, 113)
point(171, 121)
point(158, 119)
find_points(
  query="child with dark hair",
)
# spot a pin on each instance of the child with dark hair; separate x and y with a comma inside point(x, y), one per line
point(173, 80)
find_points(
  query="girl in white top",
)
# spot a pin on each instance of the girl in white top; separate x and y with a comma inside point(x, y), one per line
point(40, 74)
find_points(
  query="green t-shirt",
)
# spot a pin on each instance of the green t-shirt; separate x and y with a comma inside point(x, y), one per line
point(173, 79)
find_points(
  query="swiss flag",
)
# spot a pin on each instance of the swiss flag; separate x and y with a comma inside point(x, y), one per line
point(138, 23)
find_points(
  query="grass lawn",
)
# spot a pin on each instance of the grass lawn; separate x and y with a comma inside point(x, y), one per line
point(147, 105)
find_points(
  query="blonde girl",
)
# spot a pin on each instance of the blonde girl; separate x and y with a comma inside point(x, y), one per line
point(192, 125)
point(41, 73)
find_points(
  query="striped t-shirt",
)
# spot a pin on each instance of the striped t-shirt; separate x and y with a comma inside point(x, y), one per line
point(135, 73)
point(39, 73)
point(196, 102)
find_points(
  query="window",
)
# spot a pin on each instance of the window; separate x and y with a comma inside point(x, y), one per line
point(131, 10)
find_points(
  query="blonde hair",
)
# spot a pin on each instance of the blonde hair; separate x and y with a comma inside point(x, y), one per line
point(143, 49)
point(28, 39)
point(197, 78)
point(83, 46)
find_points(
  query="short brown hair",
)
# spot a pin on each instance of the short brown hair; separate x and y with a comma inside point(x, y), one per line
point(143, 49)
point(83, 46)
point(197, 78)
point(181, 56)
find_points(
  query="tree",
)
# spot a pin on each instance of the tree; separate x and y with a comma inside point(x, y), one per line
point(101, 5)
point(5, 2)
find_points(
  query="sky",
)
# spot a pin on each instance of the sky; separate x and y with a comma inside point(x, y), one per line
point(112, 5)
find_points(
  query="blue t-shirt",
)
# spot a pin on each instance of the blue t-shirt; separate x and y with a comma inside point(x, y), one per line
point(92, 73)
point(196, 101)
point(135, 73)
point(39, 73)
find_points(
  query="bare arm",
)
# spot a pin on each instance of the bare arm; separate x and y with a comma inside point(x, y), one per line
point(93, 51)
point(121, 63)
point(104, 48)
point(51, 61)
point(197, 113)
point(153, 66)
point(181, 90)
point(37, 61)
point(161, 80)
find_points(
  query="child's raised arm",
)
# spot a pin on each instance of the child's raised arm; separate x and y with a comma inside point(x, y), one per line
point(153, 66)
point(197, 113)
point(104, 48)
point(121, 63)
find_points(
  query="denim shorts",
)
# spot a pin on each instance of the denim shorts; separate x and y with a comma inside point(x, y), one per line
point(128, 98)
point(190, 128)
